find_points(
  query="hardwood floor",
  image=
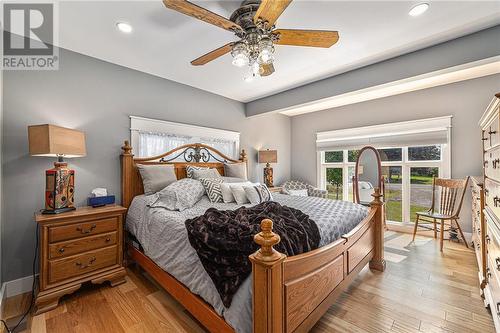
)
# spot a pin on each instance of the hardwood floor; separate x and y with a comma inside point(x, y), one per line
point(422, 290)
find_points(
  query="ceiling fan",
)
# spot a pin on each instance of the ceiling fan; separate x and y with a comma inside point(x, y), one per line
point(253, 23)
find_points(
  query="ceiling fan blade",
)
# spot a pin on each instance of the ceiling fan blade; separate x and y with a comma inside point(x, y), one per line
point(200, 13)
point(313, 38)
point(212, 55)
point(270, 10)
point(266, 69)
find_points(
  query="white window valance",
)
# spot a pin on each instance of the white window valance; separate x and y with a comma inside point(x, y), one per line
point(152, 137)
point(409, 133)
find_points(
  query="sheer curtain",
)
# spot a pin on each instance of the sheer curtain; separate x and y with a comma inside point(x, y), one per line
point(154, 143)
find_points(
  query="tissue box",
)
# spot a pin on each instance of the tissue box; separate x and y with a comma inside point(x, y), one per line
point(101, 201)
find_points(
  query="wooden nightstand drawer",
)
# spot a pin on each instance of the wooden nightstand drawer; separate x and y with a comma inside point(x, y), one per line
point(82, 245)
point(93, 227)
point(66, 268)
point(67, 248)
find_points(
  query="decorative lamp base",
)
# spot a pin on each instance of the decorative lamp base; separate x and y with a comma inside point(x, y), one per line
point(59, 189)
point(268, 175)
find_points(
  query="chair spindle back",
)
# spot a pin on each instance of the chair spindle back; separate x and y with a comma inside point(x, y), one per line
point(450, 193)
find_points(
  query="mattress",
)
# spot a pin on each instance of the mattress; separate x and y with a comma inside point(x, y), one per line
point(163, 236)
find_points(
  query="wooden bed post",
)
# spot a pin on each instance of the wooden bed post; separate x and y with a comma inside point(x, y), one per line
point(127, 161)
point(378, 262)
point(267, 268)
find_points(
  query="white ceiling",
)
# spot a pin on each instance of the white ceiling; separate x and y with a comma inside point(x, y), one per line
point(164, 42)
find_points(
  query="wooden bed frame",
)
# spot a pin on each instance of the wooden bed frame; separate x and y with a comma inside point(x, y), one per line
point(290, 294)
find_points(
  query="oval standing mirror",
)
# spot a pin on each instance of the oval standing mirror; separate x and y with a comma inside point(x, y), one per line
point(367, 175)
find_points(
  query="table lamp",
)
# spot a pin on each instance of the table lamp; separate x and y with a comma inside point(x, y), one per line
point(55, 141)
point(268, 157)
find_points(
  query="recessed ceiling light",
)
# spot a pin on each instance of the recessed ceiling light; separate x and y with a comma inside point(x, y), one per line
point(124, 27)
point(418, 9)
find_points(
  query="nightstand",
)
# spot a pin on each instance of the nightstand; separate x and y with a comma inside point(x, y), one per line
point(76, 247)
point(275, 189)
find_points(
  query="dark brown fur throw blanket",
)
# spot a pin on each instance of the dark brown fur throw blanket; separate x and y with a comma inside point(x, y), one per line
point(224, 240)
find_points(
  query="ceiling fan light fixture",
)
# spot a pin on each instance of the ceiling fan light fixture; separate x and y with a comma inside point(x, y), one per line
point(418, 9)
point(266, 51)
point(240, 55)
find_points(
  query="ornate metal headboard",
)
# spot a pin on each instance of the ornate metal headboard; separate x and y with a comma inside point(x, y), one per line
point(196, 154)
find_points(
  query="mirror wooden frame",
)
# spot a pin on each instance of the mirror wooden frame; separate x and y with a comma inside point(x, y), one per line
point(380, 184)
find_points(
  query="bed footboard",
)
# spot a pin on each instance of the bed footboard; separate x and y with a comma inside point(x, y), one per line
point(291, 294)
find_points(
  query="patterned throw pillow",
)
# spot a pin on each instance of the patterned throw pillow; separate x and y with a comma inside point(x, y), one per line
point(213, 188)
point(190, 169)
point(180, 195)
point(257, 194)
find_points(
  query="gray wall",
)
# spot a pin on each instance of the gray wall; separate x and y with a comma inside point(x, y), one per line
point(466, 101)
point(97, 97)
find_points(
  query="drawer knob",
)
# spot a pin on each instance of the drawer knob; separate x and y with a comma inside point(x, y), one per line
point(108, 239)
point(498, 309)
point(61, 250)
point(487, 238)
point(492, 132)
point(86, 231)
point(82, 266)
point(488, 273)
point(484, 139)
point(497, 261)
point(496, 200)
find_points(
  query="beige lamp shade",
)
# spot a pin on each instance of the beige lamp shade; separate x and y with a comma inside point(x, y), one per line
point(51, 140)
point(268, 156)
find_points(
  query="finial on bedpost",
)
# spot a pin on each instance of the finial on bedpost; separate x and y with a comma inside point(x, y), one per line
point(267, 239)
point(267, 279)
point(127, 166)
point(243, 155)
point(127, 149)
point(378, 261)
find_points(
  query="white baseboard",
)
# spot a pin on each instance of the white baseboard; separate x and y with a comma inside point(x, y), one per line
point(18, 286)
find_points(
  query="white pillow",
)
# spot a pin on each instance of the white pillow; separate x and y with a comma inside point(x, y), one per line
point(239, 193)
point(227, 194)
point(257, 194)
point(298, 193)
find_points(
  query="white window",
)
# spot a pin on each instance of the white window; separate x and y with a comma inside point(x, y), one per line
point(151, 137)
point(412, 153)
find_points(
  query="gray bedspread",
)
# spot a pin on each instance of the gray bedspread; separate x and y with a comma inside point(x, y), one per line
point(163, 236)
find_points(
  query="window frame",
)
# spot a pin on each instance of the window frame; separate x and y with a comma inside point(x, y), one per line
point(444, 166)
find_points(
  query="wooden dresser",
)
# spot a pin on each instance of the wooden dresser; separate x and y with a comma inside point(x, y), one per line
point(479, 228)
point(78, 246)
point(490, 129)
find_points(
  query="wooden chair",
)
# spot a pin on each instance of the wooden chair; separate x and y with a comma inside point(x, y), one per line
point(446, 210)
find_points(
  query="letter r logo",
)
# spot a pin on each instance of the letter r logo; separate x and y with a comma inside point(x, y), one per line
point(28, 29)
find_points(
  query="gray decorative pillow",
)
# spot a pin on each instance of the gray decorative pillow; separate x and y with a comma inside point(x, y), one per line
point(156, 177)
point(237, 170)
point(213, 188)
point(181, 195)
point(190, 169)
point(257, 194)
point(205, 173)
